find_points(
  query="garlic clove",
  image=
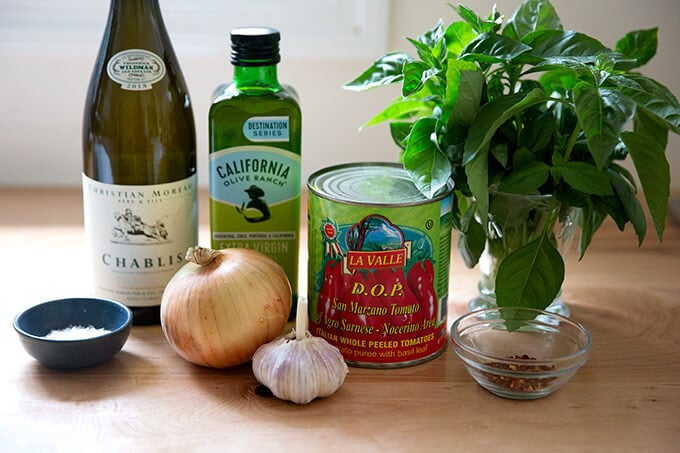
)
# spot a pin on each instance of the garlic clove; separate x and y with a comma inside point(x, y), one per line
point(300, 370)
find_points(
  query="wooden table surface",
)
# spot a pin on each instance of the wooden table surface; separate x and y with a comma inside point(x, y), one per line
point(626, 398)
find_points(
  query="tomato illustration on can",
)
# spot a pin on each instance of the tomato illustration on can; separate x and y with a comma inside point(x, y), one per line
point(378, 265)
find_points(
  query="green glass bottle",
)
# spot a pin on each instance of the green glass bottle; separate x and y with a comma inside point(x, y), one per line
point(255, 143)
point(139, 161)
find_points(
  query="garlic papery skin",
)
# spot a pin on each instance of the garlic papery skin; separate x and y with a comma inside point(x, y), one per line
point(300, 370)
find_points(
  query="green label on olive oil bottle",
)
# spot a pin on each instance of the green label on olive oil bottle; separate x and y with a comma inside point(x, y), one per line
point(254, 201)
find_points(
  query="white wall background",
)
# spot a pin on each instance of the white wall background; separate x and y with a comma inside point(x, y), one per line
point(47, 60)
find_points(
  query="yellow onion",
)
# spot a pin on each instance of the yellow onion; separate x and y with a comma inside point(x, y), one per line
point(223, 304)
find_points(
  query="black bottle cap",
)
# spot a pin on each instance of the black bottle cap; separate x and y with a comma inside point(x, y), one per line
point(255, 46)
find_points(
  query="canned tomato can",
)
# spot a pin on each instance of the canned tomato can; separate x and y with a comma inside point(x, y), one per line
point(379, 257)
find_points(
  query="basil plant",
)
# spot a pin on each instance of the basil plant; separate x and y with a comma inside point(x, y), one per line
point(521, 105)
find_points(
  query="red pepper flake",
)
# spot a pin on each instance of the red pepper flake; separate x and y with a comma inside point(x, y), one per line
point(516, 383)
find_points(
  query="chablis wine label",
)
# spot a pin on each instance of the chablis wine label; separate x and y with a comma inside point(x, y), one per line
point(138, 236)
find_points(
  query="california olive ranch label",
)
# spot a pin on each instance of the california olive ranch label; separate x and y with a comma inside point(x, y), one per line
point(253, 191)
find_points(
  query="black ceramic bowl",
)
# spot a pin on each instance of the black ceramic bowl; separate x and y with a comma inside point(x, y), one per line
point(82, 349)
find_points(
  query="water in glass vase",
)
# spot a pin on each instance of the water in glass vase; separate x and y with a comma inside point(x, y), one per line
point(515, 221)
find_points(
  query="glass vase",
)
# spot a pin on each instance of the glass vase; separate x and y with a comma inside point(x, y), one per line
point(514, 221)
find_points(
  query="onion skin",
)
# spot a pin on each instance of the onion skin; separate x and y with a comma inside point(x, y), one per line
point(218, 314)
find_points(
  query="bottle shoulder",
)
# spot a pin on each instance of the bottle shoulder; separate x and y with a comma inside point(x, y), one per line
point(291, 92)
point(224, 92)
point(228, 95)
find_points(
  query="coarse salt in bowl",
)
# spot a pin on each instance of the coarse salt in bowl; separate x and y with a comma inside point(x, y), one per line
point(75, 333)
point(520, 353)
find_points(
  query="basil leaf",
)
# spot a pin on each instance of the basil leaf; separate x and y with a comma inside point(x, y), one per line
point(631, 205)
point(471, 239)
point(646, 148)
point(591, 221)
point(384, 71)
point(476, 155)
point(559, 81)
point(492, 116)
point(478, 24)
point(433, 49)
point(416, 74)
point(499, 150)
point(603, 114)
point(640, 45)
point(424, 52)
point(401, 109)
point(457, 36)
point(427, 165)
point(464, 86)
point(586, 178)
point(399, 130)
point(532, 15)
point(531, 276)
point(523, 157)
point(651, 126)
point(477, 172)
point(434, 36)
point(527, 179)
point(551, 44)
point(537, 137)
point(652, 168)
point(613, 207)
point(652, 95)
point(492, 48)
point(627, 175)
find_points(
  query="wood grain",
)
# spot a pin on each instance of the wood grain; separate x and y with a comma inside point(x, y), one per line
point(626, 398)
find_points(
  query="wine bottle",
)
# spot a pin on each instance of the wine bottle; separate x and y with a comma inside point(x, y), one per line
point(255, 144)
point(139, 161)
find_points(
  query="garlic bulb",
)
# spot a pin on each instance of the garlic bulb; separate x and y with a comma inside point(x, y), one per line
point(299, 367)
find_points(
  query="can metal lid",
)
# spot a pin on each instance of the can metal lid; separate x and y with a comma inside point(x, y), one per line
point(370, 183)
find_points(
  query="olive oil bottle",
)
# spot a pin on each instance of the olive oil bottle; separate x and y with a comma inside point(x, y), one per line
point(139, 161)
point(255, 144)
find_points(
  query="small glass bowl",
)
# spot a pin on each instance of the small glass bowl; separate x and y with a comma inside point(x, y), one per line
point(520, 353)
